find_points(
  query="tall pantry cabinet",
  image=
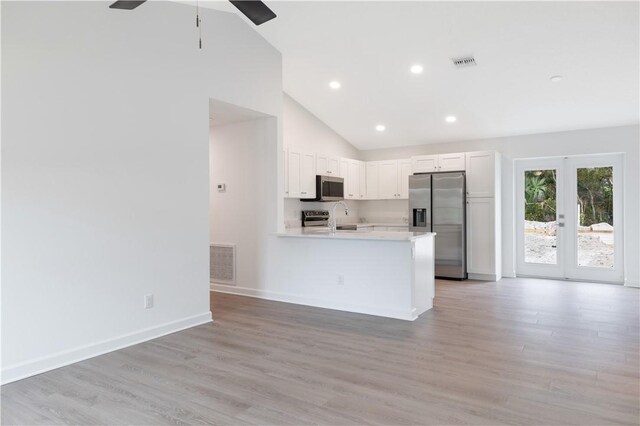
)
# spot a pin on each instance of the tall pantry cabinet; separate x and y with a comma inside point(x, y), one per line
point(484, 236)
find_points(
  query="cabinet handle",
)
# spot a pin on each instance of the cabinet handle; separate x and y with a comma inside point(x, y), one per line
point(303, 193)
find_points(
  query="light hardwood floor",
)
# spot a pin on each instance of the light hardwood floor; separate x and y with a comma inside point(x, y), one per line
point(520, 351)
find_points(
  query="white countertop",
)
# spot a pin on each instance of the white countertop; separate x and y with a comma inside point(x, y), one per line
point(365, 224)
point(363, 234)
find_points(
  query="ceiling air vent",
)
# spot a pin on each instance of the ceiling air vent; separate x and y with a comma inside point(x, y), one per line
point(465, 61)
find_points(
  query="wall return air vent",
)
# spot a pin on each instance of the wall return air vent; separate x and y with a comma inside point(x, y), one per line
point(222, 264)
point(464, 61)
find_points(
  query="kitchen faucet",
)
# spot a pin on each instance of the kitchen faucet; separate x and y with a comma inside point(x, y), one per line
point(332, 219)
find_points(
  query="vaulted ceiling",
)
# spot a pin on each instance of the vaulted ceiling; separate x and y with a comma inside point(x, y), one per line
point(369, 48)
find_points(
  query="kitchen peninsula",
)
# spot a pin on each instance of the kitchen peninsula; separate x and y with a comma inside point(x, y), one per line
point(383, 273)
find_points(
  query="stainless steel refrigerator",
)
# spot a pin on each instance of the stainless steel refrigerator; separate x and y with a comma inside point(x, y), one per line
point(437, 204)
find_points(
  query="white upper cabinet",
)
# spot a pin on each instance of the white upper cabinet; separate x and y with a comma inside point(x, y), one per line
point(483, 170)
point(438, 163)
point(308, 176)
point(388, 179)
point(424, 163)
point(372, 192)
point(404, 171)
point(300, 175)
point(350, 172)
point(294, 161)
point(353, 181)
point(327, 165)
point(452, 162)
point(362, 187)
point(392, 179)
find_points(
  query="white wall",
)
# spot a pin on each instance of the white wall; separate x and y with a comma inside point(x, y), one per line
point(624, 139)
point(236, 159)
point(105, 180)
point(304, 131)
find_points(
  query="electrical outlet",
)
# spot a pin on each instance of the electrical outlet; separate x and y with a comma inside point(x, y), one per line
point(340, 279)
point(148, 301)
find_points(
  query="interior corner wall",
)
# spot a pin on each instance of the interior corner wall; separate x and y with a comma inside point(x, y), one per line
point(304, 131)
point(623, 139)
point(105, 173)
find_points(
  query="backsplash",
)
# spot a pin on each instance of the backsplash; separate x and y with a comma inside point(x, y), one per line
point(372, 211)
point(293, 211)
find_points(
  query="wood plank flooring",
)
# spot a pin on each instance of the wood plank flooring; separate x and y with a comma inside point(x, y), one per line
point(520, 351)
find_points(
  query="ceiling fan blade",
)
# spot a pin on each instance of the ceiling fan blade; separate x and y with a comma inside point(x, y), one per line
point(255, 10)
point(126, 4)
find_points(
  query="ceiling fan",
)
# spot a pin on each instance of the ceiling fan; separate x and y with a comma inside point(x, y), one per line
point(255, 10)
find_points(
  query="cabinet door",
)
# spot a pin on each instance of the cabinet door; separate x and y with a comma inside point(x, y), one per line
point(388, 179)
point(404, 171)
point(480, 236)
point(295, 160)
point(322, 164)
point(333, 166)
point(481, 173)
point(373, 169)
point(362, 187)
point(451, 162)
point(424, 163)
point(353, 179)
point(307, 175)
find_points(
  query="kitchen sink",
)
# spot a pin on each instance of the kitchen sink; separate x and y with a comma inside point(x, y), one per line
point(347, 228)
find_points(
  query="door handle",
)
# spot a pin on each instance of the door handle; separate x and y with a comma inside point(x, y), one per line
point(560, 225)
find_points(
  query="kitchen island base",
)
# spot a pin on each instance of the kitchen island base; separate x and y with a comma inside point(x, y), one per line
point(391, 277)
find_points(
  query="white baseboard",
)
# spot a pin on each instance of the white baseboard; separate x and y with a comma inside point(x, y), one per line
point(632, 283)
point(407, 315)
point(60, 359)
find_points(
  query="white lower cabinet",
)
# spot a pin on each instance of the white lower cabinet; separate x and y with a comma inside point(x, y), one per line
point(483, 239)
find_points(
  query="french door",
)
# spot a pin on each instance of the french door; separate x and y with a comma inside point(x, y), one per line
point(569, 218)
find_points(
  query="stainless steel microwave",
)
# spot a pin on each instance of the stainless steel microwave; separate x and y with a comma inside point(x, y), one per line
point(328, 188)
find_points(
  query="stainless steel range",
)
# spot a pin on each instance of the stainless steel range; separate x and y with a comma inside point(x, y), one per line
point(315, 218)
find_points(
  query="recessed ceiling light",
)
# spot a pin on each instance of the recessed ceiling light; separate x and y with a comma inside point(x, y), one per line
point(417, 69)
point(450, 119)
point(334, 85)
point(556, 78)
point(381, 127)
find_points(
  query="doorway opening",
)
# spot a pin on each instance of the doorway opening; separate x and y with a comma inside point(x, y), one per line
point(569, 218)
point(241, 146)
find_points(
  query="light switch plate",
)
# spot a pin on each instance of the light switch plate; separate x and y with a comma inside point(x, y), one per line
point(221, 187)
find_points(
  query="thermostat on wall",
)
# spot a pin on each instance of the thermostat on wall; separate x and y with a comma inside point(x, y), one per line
point(221, 187)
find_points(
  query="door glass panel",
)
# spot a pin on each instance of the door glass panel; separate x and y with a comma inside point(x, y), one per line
point(540, 224)
point(594, 211)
